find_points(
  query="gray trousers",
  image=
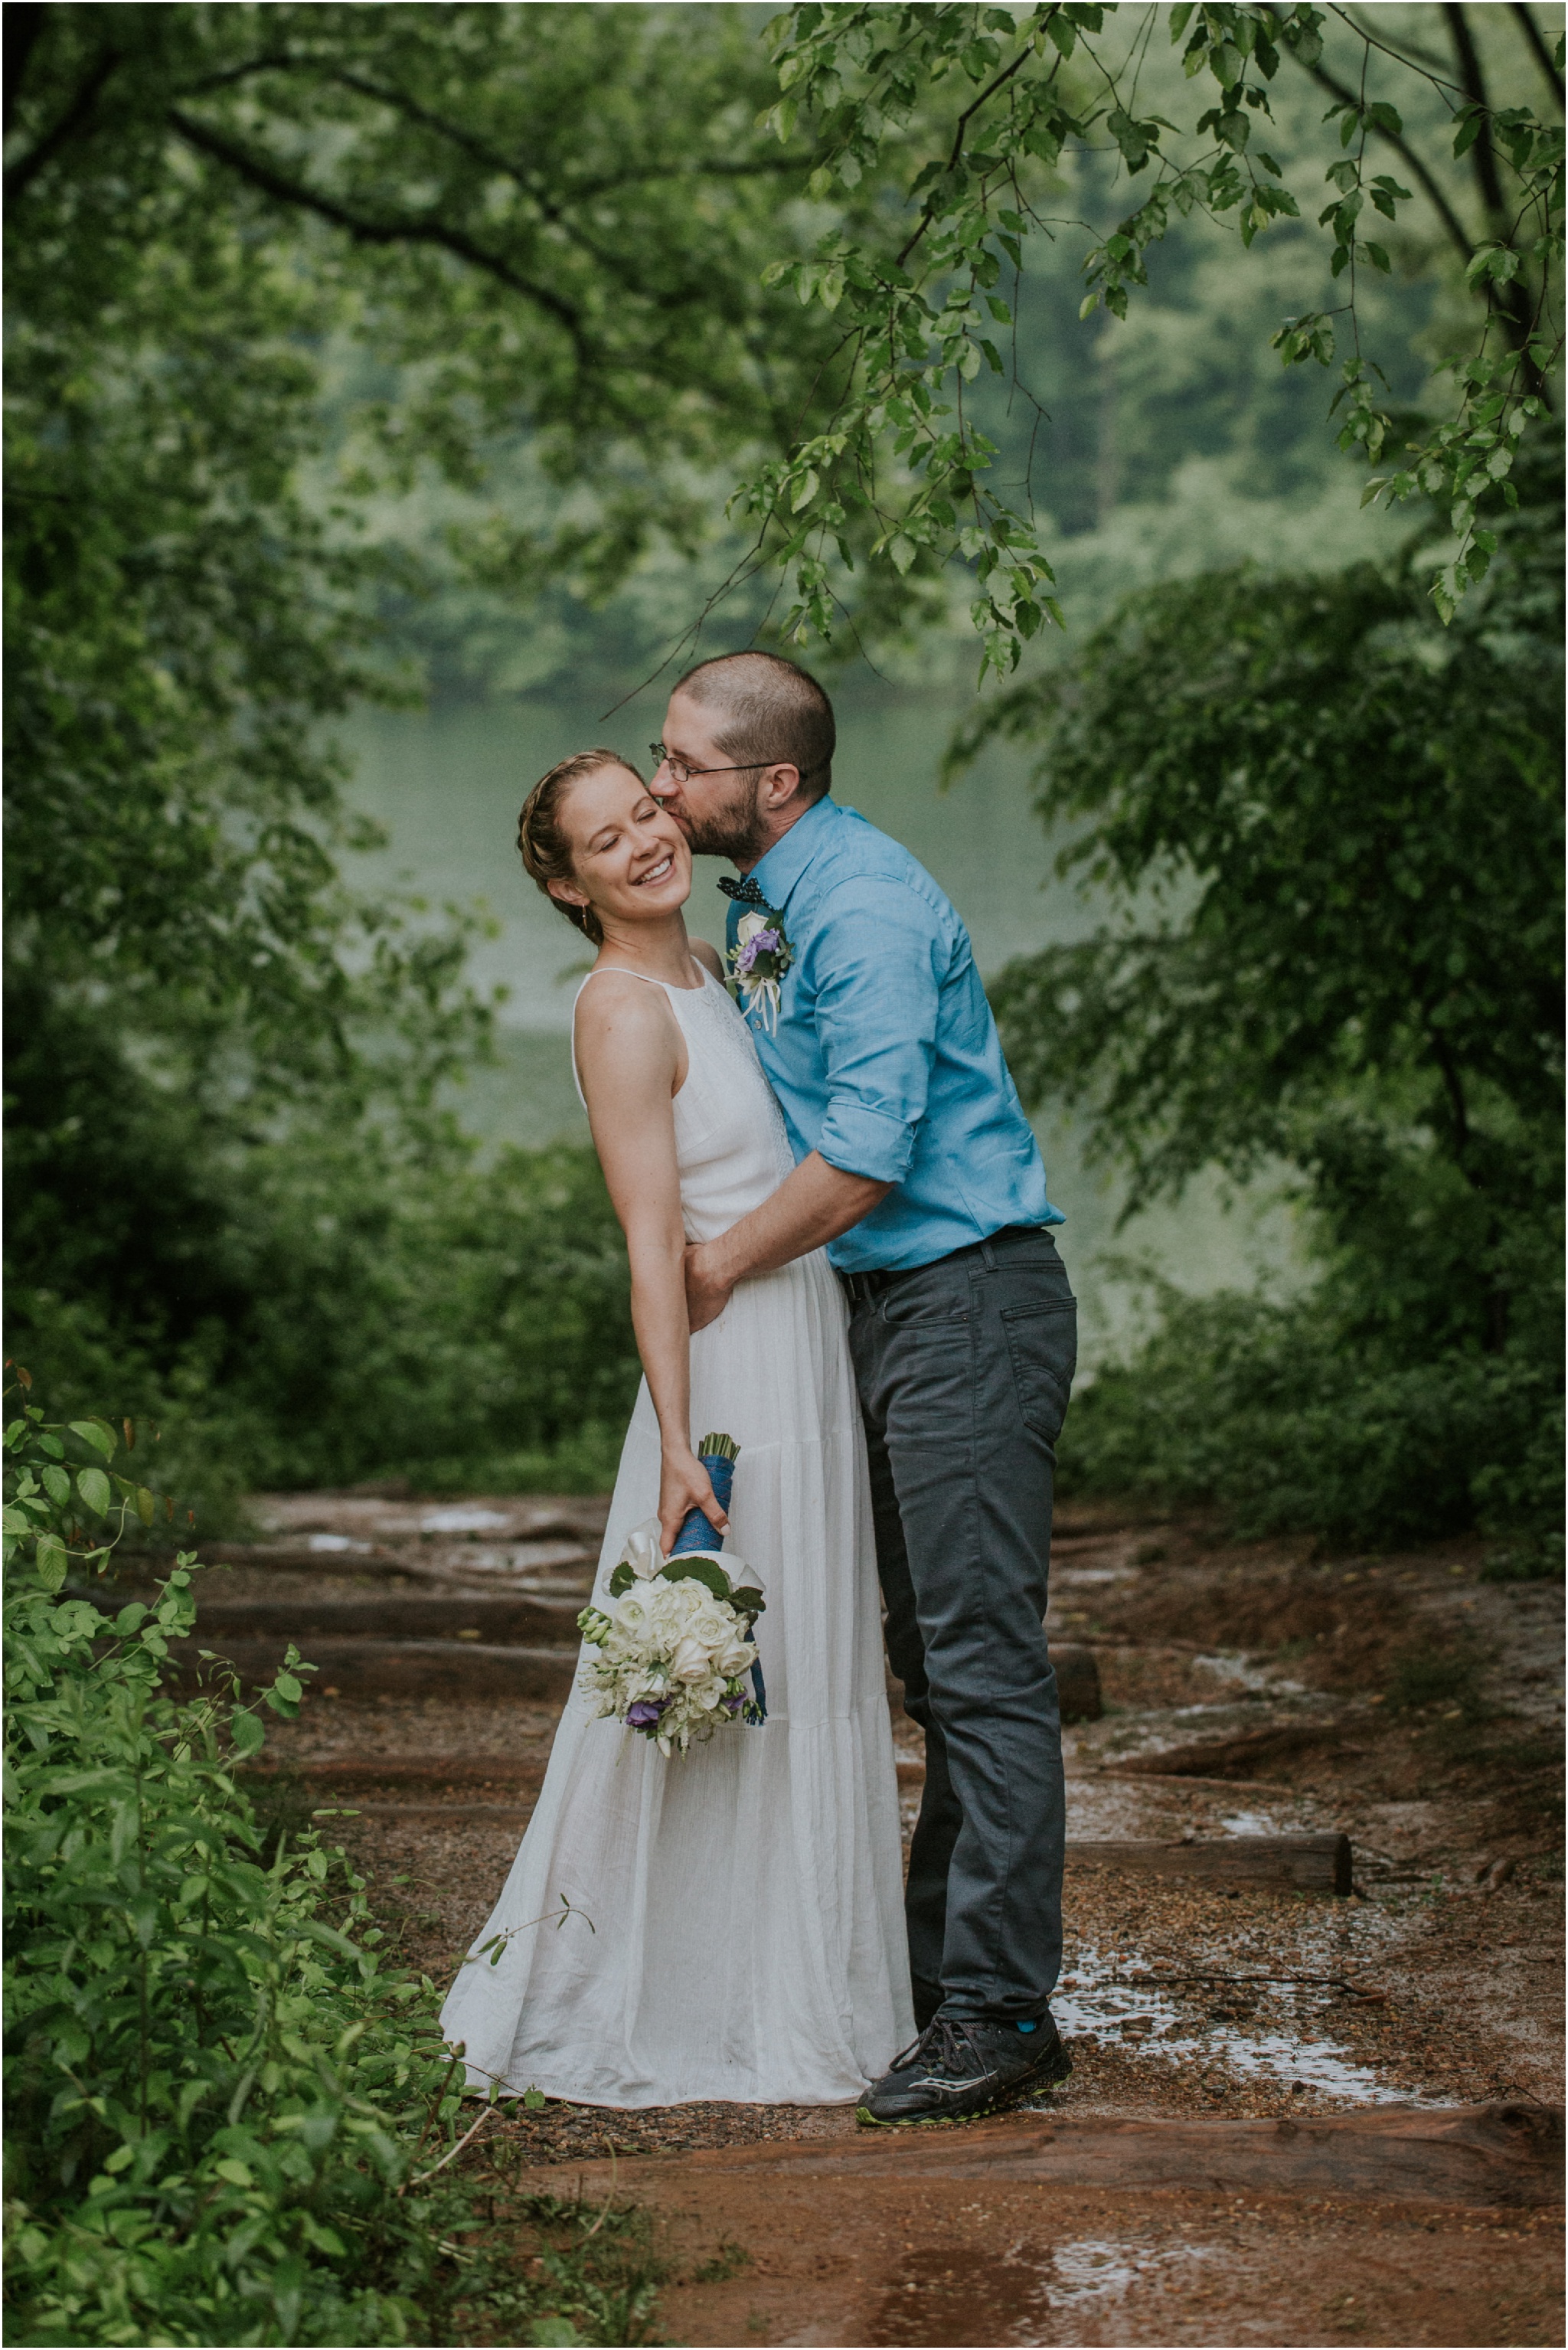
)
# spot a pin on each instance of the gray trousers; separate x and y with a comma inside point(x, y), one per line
point(964, 1368)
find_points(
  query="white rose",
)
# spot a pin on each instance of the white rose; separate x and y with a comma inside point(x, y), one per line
point(748, 926)
point(690, 1662)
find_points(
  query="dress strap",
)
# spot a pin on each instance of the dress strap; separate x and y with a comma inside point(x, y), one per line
point(627, 973)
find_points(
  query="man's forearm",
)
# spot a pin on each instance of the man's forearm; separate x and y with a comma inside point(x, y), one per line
point(811, 1206)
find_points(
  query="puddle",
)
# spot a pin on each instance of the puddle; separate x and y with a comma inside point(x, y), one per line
point(1248, 1674)
point(1097, 2269)
point(1090, 2004)
point(461, 1521)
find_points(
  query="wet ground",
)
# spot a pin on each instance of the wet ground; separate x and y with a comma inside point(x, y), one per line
point(1413, 1703)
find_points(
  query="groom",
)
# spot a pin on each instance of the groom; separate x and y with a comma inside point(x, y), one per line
point(917, 1171)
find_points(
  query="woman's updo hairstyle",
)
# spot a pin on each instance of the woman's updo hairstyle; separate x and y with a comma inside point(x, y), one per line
point(547, 851)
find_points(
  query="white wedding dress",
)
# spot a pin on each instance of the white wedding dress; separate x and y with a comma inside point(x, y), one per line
point(739, 1929)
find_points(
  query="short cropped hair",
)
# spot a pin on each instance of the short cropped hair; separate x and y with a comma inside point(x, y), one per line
point(770, 714)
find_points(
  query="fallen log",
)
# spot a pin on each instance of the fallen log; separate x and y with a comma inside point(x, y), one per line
point(1492, 2157)
point(504, 1619)
point(1077, 1684)
point(364, 1667)
point(456, 1815)
point(1232, 1758)
point(1312, 1863)
point(344, 1771)
point(1191, 1778)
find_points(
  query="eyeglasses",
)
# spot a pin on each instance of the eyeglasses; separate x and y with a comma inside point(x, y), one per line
point(679, 772)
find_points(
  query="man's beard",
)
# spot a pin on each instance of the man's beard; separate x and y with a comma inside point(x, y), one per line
point(736, 832)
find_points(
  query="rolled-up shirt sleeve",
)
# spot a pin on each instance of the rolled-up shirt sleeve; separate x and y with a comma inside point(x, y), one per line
point(879, 953)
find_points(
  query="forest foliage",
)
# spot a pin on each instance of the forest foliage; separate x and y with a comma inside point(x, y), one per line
point(555, 278)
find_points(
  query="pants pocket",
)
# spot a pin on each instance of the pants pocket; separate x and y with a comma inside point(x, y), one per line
point(1043, 1343)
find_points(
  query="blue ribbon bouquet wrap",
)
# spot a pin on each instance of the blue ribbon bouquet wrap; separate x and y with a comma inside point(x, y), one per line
point(718, 1455)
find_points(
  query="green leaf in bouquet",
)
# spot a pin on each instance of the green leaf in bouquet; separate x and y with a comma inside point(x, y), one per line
point(749, 1600)
point(689, 1568)
point(622, 1580)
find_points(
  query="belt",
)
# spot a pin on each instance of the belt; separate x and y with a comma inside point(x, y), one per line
point(861, 1287)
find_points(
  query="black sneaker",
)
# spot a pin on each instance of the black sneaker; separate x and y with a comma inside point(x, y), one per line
point(961, 2067)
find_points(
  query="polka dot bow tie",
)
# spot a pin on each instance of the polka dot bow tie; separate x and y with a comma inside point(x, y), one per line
point(746, 893)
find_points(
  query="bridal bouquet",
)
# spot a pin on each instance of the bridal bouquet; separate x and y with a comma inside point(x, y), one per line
point(675, 1659)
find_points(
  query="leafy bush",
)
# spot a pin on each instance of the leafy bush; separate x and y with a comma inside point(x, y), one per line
point(1326, 838)
point(225, 2110)
point(1272, 1410)
point(347, 1305)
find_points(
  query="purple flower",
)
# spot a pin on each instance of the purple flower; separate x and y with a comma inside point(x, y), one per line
point(759, 942)
point(644, 1714)
point(733, 1704)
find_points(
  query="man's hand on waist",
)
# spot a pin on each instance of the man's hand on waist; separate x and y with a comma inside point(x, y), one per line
point(707, 1293)
point(811, 1206)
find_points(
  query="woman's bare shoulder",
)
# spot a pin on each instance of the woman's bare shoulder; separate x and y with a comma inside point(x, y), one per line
point(709, 957)
point(621, 1013)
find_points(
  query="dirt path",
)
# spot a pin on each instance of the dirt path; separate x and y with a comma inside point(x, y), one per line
point(1410, 1703)
point(940, 2241)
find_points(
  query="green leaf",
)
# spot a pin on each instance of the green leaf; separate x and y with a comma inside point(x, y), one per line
point(706, 1571)
point(95, 1490)
point(146, 1505)
point(98, 1434)
point(51, 1561)
point(247, 1733)
point(237, 2173)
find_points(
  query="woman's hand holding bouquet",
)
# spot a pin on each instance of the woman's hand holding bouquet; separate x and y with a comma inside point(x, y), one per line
point(674, 1645)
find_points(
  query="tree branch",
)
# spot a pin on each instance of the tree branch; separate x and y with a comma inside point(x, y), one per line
point(963, 121)
point(1512, 303)
point(23, 22)
point(264, 175)
point(1538, 48)
point(1458, 234)
point(1473, 82)
point(27, 168)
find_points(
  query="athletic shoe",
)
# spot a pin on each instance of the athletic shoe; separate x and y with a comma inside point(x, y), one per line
point(961, 2067)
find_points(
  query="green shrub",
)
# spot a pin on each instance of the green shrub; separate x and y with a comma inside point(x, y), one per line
point(224, 2112)
point(1270, 1410)
point(366, 1308)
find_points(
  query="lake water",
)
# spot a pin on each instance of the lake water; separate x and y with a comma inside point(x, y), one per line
point(448, 783)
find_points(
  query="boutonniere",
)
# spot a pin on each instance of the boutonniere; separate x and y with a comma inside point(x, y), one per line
point(758, 960)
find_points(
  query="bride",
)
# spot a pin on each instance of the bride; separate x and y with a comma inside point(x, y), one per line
point(736, 1925)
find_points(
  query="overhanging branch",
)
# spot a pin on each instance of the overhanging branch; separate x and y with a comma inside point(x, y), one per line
point(262, 173)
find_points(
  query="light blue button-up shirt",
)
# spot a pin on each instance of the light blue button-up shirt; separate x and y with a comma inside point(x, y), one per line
point(886, 1058)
